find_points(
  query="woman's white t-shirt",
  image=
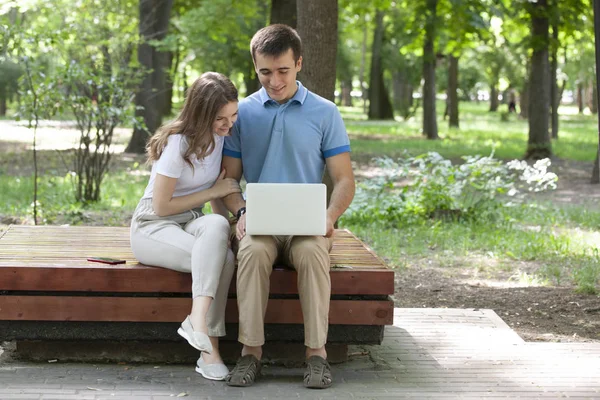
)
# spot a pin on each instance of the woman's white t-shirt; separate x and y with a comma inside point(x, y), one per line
point(172, 164)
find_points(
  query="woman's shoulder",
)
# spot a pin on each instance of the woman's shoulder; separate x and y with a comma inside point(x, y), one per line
point(178, 140)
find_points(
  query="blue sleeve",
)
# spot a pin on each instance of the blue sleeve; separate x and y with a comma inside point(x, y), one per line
point(232, 146)
point(335, 138)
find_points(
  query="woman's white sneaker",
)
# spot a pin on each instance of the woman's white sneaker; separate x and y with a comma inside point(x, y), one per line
point(197, 340)
point(215, 372)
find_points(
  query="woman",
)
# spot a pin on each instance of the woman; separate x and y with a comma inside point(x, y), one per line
point(168, 228)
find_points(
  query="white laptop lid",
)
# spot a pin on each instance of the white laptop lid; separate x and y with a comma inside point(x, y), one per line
point(286, 209)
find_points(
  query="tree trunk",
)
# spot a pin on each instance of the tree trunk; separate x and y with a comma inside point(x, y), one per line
point(161, 60)
point(317, 26)
point(170, 76)
point(184, 80)
point(251, 81)
point(539, 145)
point(3, 96)
point(494, 103)
point(154, 21)
point(380, 106)
point(173, 76)
point(346, 93)
point(453, 91)
point(554, 100)
point(580, 102)
point(363, 63)
point(430, 129)
point(284, 12)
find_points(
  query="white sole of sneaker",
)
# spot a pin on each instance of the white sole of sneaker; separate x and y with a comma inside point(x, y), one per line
point(212, 378)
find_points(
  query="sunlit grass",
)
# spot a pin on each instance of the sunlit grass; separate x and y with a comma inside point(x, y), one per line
point(480, 132)
point(120, 194)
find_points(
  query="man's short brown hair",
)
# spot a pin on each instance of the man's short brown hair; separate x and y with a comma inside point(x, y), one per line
point(274, 40)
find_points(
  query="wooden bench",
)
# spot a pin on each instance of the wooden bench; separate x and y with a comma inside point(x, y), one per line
point(50, 291)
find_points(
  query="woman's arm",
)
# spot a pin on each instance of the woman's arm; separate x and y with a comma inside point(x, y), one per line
point(165, 204)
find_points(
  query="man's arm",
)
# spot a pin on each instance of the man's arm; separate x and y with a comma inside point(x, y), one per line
point(235, 201)
point(340, 171)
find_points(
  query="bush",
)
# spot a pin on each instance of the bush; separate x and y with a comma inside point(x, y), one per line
point(428, 186)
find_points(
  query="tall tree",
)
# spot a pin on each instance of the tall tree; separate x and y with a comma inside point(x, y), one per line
point(430, 129)
point(150, 100)
point(554, 98)
point(380, 106)
point(284, 12)
point(452, 90)
point(539, 144)
point(317, 26)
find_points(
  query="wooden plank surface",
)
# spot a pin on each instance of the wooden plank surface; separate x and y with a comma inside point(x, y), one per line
point(474, 354)
point(53, 258)
point(162, 309)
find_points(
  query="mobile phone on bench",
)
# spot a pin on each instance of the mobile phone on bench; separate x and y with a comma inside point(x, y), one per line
point(106, 260)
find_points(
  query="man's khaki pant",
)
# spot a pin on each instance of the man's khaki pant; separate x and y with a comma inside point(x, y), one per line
point(309, 256)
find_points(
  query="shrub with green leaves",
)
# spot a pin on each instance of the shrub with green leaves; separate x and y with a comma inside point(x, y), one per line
point(414, 189)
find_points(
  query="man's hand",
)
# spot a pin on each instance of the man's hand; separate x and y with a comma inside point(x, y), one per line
point(329, 227)
point(240, 229)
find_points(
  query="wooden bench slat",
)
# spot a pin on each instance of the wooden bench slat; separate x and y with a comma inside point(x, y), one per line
point(155, 280)
point(53, 258)
point(161, 309)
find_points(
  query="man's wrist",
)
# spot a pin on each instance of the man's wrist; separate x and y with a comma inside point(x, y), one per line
point(240, 212)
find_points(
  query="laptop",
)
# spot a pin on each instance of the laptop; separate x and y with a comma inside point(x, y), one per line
point(297, 209)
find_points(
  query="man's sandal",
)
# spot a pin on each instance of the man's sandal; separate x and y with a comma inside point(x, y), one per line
point(318, 373)
point(245, 372)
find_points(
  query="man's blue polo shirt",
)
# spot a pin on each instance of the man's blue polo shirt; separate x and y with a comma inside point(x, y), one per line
point(286, 143)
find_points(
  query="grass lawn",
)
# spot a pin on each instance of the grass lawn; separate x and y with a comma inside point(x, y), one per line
point(480, 132)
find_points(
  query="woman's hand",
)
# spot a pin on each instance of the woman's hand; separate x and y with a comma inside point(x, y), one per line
point(225, 186)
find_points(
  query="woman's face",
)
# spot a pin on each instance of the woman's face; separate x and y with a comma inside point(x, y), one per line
point(226, 117)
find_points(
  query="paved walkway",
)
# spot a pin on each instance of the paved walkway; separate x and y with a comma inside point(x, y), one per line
point(428, 353)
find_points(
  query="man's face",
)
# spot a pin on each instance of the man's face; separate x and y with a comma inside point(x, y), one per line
point(278, 74)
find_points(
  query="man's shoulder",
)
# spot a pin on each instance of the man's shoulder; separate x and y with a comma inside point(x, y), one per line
point(313, 99)
point(251, 101)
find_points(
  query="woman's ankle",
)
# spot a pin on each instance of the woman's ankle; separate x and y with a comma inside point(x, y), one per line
point(198, 325)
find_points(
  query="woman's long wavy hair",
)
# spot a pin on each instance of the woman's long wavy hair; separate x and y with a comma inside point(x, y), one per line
point(204, 99)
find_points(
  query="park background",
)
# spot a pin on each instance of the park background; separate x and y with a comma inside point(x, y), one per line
point(424, 88)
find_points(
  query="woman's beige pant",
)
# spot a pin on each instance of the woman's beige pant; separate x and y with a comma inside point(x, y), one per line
point(188, 242)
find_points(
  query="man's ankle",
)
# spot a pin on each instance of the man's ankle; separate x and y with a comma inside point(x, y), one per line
point(256, 351)
point(321, 352)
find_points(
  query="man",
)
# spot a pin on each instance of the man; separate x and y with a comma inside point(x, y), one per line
point(285, 134)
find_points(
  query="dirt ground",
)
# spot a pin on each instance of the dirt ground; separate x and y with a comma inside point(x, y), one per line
point(536, 313)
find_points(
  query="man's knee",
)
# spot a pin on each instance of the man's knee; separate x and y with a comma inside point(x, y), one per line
point(309, 251)
point(257, 251)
